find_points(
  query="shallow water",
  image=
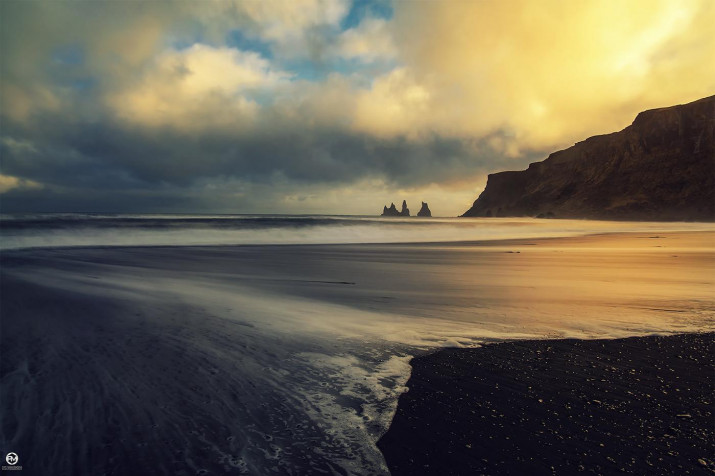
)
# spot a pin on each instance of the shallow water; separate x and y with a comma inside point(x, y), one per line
point(21, 231)
point(289, 359)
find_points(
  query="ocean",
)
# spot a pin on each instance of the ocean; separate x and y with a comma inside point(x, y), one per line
point(267, 344)
point(87, 229)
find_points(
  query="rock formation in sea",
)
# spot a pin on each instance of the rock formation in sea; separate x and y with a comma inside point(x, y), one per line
point(390, 212)
point(405, 211)
point(424, 211)
point(661, 167)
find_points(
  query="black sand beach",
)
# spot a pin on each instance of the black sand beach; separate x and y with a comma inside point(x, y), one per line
point(635, 406)
point(275, 360)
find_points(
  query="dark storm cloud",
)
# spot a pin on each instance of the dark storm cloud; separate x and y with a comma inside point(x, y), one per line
point(108, 154)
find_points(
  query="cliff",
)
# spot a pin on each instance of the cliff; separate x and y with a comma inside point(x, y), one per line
point(661, 167)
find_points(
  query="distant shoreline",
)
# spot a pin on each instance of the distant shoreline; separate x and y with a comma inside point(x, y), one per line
point(640, 405)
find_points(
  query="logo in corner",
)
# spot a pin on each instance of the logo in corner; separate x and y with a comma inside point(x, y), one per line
point(12, 458)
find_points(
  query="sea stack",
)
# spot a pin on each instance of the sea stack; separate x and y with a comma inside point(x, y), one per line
point(405, 211)
point(424, 211)
point(390, 212)
point(393, 212)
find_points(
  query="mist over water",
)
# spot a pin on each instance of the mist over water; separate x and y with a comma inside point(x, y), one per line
point(289, 359)
point(76, 229)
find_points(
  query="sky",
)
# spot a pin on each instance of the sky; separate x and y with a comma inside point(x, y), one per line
point(321, 106)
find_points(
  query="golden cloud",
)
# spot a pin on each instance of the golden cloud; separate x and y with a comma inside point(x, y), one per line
point(8, 182)
point(197, 88)
point(550, 71)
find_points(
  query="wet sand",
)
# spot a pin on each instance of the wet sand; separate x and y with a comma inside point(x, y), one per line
point(636, 406)
point(290, 359)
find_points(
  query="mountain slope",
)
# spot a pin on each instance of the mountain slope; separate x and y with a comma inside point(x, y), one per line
point(661, 167)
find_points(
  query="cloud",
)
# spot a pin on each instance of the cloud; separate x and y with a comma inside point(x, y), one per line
point(369, 41)
point(8, 183)
point(119, 105)
point(394, 105)
point(197, 88)
point(299, 28)
point(283, 22)
point(554, 72)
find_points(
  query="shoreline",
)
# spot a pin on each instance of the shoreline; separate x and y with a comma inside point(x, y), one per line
point(639, 405)
point(586, 238)
point(583, 237)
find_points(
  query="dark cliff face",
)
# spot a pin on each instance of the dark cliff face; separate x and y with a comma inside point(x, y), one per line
point(661, 167)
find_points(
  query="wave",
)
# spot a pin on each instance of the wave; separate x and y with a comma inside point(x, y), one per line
point(90, 230)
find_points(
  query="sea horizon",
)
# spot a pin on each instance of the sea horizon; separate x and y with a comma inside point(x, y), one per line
point(79, 229)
